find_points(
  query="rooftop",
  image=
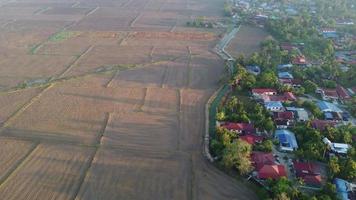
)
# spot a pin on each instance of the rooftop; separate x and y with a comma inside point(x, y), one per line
point(264, 90)
point(322, 124)
point(245, 127)
point(285, 75)
point(286, 139)
point(272, 171)
point(328, 107)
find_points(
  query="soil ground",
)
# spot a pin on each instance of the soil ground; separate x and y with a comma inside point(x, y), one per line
point(247, 41)
point(105, 99)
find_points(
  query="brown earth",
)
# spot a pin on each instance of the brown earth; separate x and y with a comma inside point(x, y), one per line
point(247, 41)
point(121, 114)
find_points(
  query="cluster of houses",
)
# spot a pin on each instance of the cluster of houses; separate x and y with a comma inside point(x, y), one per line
point(341, 41)
point(337, 94)
point(269, 165)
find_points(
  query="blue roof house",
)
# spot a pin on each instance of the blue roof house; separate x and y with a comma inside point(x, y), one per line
point(287, 140)
point(285, 75)
point(253, 69)
point(342, 188)
point(274, 106)
point(328, 107)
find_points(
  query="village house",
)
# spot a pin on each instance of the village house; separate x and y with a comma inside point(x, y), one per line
point(258, 93)
point(271, 172)
point(284, 67)
point(286, 97)
point(337, 148)
point(287, 140)
point(342, 92)
point(252, 139)
point(344, 189)
point(329, 33)
point(328, 94)
point(288, 47)
point(300, 60)
point(274, 106)
point(300, 114)
point(309, 172)
point(321, 125)
point(295, 83)
point(285, 75)
point(283, 119)
point(253, 69)
point(240, 128)
point(259, 159)
point(328, 107)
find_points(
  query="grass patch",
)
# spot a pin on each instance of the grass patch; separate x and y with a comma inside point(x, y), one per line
point(63, 35)
point(34, 48)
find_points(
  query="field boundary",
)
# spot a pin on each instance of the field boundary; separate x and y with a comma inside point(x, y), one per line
point(108, 117)
point(210, 118)
point(215, 99)
point(18, 164)
point(22, 109)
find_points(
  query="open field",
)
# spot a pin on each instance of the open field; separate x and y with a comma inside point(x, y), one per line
point(50, 171)
point(117, 174)
point(104, 99)
point(247, 41)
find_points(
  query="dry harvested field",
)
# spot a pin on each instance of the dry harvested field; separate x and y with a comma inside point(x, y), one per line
point(247, 41)
point(105, 99)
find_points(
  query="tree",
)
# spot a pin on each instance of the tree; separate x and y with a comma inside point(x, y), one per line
point(330, 190)
point(282, 196)
point(220, 116)
point(268, 125)
point(313, 108)
point(334, 166)
point(265, 146)
point(232, 104)
point(237, 155)
point(248, 81)
point(310, 86)
point(224, 136)
point(348, 169)
point(216, 147)
point(268, 79)
point(280, 186)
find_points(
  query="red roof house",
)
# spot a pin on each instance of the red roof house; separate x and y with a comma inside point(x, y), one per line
point(264, 91)
point(288, 47)
point(259, 159)
point(283, 115)
point(241, 128)
point(309, 172)
point(306, 168)
point(290, 82)
point(314, 180)
point(341, 91)
point(290, 96)
point(322, 124)
point(272, 171)
point(287, 96)
point(299, 60)
point(251, 139)
point(329, 94)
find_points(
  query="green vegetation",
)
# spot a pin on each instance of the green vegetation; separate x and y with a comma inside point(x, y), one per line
point(237, 155)
point(34, 48)
point(63, 35)
point(200, 22)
